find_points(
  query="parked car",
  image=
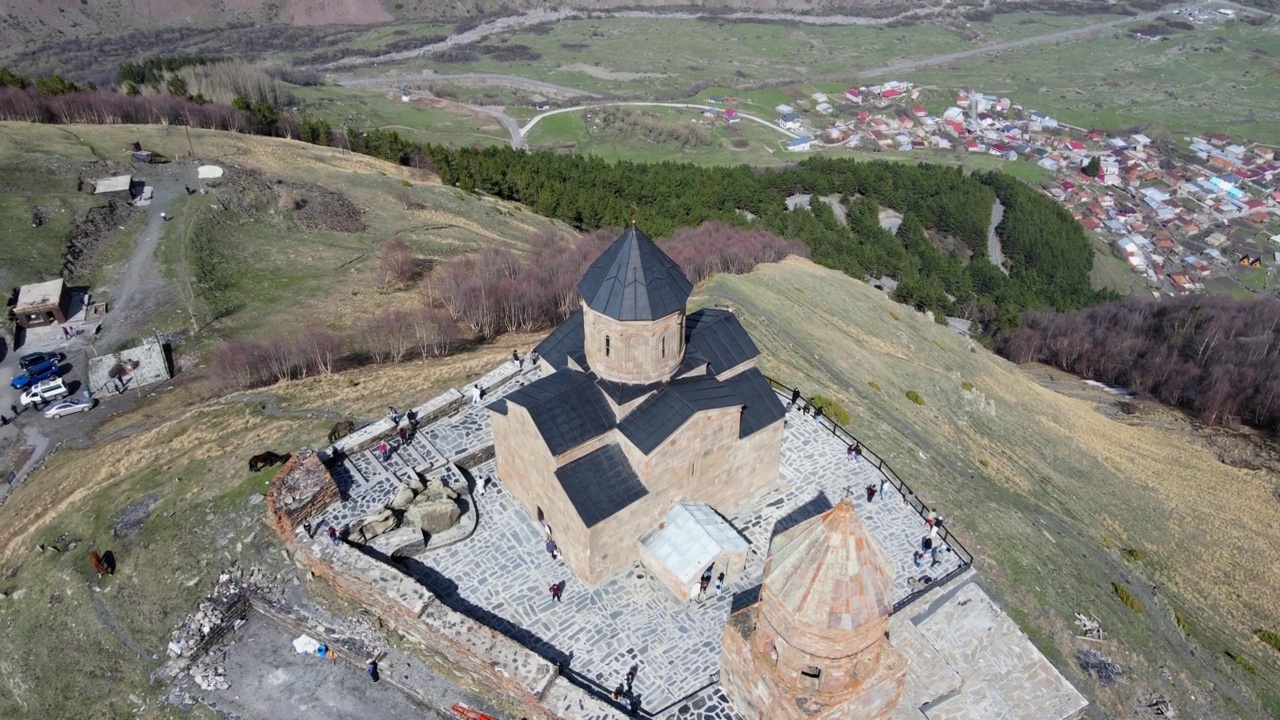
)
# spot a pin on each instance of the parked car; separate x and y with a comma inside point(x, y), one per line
point(35, 358)
point(36, 373)
point(46, 391)
point(70, 406)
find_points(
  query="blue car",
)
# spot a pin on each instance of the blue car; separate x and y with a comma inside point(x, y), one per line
point(36, 373)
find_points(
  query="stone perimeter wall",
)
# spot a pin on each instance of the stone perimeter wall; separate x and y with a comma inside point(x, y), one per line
point(284, 518)
point(413, 612)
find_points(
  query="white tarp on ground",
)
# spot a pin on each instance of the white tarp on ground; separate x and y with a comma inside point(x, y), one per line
point(208, 172)
point(306, 645)
point(119, 183)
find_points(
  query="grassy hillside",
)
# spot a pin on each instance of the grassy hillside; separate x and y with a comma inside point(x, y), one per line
point(280, 263)
point(1226, 80)
point(70, 651)
point(1057, 497)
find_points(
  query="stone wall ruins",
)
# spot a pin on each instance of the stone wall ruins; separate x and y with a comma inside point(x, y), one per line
point(300, 490)
point(409, 609)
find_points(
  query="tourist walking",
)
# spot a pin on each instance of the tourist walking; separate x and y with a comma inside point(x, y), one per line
point(333, 535)
point(392, 413)
point(384, 450)
point(372, 669)
point(795, 397)
point(515, 355)
point(706, 580)
point(557, 590)
point(719, 584)
point(817, 414)
point(917, 557)
point(412, 418)
point(857, 453)
point(403, 432)
point(871, 492)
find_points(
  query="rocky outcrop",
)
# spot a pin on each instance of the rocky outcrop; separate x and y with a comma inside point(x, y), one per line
point(371, 526)
point(434, 516)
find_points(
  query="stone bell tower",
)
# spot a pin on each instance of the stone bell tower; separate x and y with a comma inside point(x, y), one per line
point(633, 305)
point(816, 645)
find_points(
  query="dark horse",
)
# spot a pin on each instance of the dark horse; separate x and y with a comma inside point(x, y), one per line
point(266, 459)
point(341, 429)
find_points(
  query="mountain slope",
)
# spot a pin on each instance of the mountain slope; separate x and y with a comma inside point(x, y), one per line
point(1057, 497)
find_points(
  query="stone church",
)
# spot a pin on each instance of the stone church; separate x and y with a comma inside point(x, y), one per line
point(816, 644)
point(647, 424)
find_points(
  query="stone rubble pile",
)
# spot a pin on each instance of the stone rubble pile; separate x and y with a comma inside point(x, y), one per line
point(221, 611)
point(209, 675)
point(227, 602)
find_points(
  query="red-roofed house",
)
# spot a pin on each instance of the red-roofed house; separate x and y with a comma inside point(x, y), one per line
point(956, 126)
point(731, 115)
point(863, 115)
point(891, 93)
point(919, 111)
point(1076, 146)
point(854, 94)
point(1091, 223)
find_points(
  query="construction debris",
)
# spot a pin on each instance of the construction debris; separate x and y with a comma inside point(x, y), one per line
point(1091, 628)
point(1160, 706)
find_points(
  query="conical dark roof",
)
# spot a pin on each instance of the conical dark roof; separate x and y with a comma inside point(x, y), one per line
point(634, 280)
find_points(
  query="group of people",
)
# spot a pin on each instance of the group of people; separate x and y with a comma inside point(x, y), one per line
point(626, 689)
point(405, 426)
point(805, 407)
point(522, 362)
point(705, 583)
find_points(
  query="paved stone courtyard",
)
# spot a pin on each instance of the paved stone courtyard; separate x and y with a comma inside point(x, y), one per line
point(501, 574)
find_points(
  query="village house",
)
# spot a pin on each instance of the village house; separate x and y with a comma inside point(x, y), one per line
point(40, 304)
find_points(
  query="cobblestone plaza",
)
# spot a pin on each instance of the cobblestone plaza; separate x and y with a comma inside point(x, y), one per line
point(501, 572)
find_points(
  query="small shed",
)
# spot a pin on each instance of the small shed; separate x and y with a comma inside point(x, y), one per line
point(41, 304)
point(691, 540)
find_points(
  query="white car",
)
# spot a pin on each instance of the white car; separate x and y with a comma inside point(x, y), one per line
point(69, 406)
point(43, 392)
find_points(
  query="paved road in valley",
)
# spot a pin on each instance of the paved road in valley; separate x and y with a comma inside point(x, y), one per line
point(524, 131)
point(945, 58)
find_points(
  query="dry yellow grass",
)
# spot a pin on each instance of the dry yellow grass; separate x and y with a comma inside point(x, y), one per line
point(218, 436)
point(1029, 473)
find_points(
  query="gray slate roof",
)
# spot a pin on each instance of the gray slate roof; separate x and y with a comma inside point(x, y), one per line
point(634, 280)
point(566, 406)
point(600, 484)
point(762, 407)
point(562, 341)
point(661, 415)
point(717, 335)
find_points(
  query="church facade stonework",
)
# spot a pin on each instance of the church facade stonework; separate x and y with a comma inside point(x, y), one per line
point(641, 408)
point(817, 644)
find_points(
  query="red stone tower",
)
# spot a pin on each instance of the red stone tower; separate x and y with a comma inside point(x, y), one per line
point(816, 645)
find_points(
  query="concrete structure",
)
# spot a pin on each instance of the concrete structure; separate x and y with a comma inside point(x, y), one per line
point(41, 304)
point(816, 645)
point(642, 408)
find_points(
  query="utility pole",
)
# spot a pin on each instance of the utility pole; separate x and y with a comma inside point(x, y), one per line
point(190, 146)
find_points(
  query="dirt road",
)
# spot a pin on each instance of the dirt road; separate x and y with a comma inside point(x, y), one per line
point(945, 58)
point(518, 141)
point(142, 289)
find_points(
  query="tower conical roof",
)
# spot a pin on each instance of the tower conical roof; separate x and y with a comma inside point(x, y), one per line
point(634, 280)
point(825, 576)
